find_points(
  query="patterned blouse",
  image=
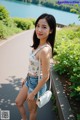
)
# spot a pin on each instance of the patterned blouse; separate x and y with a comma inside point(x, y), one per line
point(34, 63)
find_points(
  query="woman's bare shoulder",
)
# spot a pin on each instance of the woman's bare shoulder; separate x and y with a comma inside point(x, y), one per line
point(46, 51)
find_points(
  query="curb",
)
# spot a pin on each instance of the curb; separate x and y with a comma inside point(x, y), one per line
point(64, 109)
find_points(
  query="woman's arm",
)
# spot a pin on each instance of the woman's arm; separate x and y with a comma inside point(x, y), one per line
point(45, 62)
point(44, 57)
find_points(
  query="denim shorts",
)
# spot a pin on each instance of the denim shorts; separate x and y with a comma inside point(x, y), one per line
point(31, 83)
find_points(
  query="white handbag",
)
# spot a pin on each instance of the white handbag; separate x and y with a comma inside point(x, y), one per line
point(45, 98)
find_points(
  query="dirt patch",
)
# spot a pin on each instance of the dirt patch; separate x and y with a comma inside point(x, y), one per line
point(75, 105)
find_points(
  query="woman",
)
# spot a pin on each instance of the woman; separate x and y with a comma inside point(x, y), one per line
point(43, 44)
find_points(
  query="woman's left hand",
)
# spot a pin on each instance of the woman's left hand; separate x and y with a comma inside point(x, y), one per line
point(30, 97)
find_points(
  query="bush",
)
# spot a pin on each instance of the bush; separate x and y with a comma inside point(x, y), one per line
point(3, 30)
point(68, 57)
point(24, 23)
point(10, 26)
point(4, 14)
point(6, 31)
point(7, 25)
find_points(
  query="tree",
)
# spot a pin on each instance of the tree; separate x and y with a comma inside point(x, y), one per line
point(76, 9)
point(4, 14)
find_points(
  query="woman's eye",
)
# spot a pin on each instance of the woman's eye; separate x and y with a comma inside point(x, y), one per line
point(44, 26)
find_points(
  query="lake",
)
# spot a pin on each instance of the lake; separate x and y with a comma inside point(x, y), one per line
point(28, 10)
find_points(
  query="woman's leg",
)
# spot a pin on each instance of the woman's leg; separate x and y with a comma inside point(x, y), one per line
point(32, 109)
point(20, 101)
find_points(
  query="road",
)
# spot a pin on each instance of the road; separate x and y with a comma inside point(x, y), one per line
point(14, 56)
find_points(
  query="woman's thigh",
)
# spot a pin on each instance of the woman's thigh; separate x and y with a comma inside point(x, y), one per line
point(32, 106)
point(22, 95)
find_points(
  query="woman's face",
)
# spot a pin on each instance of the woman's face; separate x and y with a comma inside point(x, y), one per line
point(42, 29)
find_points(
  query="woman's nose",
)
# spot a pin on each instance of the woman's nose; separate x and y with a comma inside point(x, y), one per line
point(39, 29)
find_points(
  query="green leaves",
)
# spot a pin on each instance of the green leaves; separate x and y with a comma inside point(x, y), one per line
point(4, 14)
point(67, 47)
point(24, 23)
point(78, 116)
point(10, 26)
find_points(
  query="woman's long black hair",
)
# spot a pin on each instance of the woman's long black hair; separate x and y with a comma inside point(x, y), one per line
point(52, 24)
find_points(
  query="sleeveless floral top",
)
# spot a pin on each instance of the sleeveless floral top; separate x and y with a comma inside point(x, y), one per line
point(34, 62)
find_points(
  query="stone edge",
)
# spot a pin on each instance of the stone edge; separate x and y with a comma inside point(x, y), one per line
point(62, 103)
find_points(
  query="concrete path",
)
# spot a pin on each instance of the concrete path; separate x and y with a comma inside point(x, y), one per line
point(13, 67)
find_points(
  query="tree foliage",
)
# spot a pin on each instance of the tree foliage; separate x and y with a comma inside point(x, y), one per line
point(76, 9)
point(4, 14)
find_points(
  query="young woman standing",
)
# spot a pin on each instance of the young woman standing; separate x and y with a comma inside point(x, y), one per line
point(43, 44)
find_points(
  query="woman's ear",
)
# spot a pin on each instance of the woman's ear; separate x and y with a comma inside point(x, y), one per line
point(51, 31)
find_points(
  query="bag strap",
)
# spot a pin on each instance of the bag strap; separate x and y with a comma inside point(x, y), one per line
point(34, 53)
point(50, 78)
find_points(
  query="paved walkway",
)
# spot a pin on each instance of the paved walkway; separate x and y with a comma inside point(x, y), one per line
point(13, 67)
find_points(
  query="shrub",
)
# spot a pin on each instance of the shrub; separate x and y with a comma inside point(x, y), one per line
point(68, 57)
point(3, 30)
point(6, 31)
point(24, 23)
point(4, 14)
point(10, 26)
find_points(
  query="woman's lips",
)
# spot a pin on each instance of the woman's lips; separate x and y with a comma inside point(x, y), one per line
point(39, 34)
